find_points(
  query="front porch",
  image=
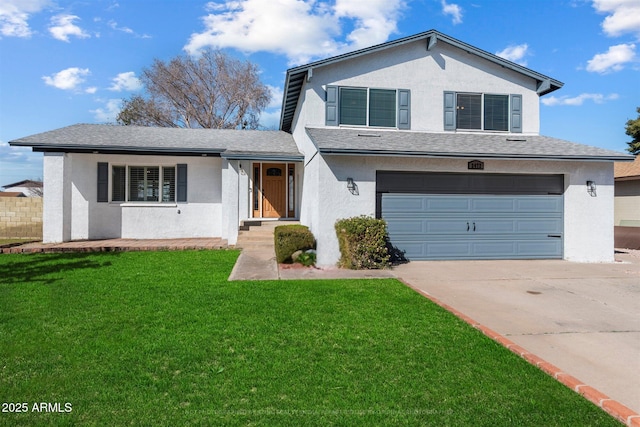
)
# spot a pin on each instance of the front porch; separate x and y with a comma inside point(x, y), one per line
point(260, 188)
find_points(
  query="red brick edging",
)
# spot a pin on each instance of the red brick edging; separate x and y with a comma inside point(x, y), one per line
point(612, 407)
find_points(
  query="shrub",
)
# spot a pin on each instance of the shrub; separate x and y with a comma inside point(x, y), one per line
point(291, 238)
point(307, 258)
point(363, 243)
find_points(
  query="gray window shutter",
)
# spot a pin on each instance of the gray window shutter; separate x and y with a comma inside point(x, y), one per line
point(404, 109)
point(331, 106)
point(516, 113)
point(103, 182)
point(449, 111)
point(181, 184)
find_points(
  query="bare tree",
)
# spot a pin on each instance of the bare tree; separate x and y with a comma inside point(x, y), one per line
point(211, 91)
point(36, 190)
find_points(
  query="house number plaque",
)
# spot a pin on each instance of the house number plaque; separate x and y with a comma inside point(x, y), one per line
point(475, 164)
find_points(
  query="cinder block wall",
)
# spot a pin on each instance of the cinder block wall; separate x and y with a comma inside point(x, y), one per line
point(21, 217)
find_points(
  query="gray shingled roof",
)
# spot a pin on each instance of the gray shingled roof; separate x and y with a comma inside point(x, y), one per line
point(110, 138)
point(467, 145)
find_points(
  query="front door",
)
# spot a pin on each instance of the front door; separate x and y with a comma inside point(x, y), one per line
point(274, 190)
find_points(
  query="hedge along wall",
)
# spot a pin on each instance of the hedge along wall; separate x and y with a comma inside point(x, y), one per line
point(21, 217)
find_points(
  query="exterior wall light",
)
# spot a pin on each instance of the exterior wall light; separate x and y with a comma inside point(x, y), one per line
point(591, 188)
point(352, 186)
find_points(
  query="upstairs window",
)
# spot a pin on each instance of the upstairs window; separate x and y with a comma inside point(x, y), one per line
point(373, 107)
point(355, 106)
point(477, 111)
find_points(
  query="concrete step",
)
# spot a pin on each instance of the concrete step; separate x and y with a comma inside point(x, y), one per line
point(256, 232)
point(264, 224)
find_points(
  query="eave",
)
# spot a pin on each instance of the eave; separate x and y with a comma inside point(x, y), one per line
point(470, 155)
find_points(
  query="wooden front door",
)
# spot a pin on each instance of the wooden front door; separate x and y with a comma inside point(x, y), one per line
point(274, 176)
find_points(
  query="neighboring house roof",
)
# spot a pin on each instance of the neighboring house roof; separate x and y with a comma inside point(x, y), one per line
point(295, 76)
point(25, 183)
point(467, 145)
point(627, 171)
point(11, 194)
point(88, 138)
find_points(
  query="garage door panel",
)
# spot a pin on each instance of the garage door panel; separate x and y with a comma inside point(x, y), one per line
point(539, 204)
point(551, 247)
point(446, 204)
point(403, 225)
point(493, 204)
point(403, 204)
point(428, 226)
point(540, 226)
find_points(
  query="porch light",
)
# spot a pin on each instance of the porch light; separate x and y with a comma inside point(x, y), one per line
point(591, 188)
point(352, 187)
point(350, 184)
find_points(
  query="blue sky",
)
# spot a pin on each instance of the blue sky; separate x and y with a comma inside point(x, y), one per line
point(67, 62)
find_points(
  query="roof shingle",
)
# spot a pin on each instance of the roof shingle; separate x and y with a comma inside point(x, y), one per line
point(626, 169)
point(449, 144)
point(111, 138)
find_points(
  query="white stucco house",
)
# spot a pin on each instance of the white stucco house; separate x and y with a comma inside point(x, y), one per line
point(438, 137)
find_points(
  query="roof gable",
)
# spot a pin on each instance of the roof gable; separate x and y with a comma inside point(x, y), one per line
point(296, 76)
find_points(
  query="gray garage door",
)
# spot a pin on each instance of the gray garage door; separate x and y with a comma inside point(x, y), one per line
point(449, 223)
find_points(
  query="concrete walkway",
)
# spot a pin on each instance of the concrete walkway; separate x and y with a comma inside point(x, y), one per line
point(257, 261)
point(579, 321)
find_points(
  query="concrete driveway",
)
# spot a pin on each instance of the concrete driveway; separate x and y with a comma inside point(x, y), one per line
point(583, 318)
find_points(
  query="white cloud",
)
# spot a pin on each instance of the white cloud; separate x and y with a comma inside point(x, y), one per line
point(374, 20)
point(613, 60)
point(126, 81)
point(18, 163)
point(69, 79)
point(300, 29)
point(623, 16)
point(109, 112)
point(114, 26)
point(454, 10)
point(14, 16)
point(62, 27)
point(515, 53)
point(276, 96)
point(597, 98)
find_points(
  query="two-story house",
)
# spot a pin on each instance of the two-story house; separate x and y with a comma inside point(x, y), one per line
point(439, 138)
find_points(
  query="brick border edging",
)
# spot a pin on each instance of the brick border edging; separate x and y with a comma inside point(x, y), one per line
point(19, 250)
point(614, 408)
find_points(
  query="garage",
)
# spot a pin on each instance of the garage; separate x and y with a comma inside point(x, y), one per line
point(433, 216)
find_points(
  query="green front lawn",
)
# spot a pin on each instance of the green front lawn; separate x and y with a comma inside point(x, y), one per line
point(161, 338)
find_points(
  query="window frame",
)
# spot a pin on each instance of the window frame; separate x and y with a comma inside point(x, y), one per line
point(507, 116)
point(159, 189)
point(368, 109)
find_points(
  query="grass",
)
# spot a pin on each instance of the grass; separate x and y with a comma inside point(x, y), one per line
point(161, 338)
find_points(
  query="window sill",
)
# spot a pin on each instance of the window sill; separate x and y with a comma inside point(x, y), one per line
point(480, 131)
point(145, 204)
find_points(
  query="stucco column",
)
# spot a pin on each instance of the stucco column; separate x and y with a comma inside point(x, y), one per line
point(56, 214)
point(230, 201)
